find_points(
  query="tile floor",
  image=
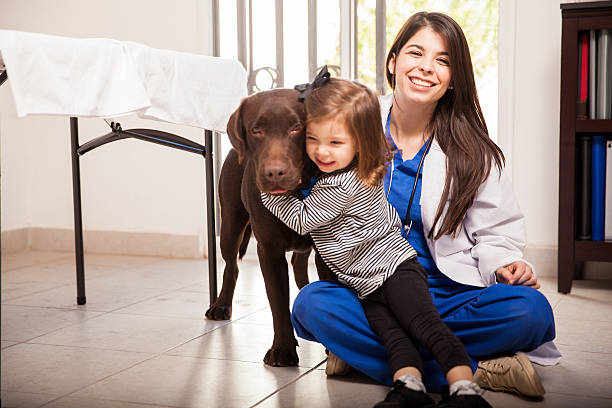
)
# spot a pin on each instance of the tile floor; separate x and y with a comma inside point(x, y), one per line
point(141, 341)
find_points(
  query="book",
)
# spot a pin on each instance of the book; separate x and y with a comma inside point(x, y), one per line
point(604, 74)
point(592, 74)
point(608, 211)
point(583, 227)
point(598, 186)
point(583, 76)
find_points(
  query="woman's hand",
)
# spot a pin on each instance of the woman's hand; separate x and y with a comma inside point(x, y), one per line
point(517, 273)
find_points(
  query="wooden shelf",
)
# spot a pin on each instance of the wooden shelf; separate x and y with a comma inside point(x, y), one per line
point(593, 251)
point(576, 17)
point(594, 125)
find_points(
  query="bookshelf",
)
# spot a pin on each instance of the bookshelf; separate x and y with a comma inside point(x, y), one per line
point(576, 17)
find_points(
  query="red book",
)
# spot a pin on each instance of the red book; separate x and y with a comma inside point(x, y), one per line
point(583, 75)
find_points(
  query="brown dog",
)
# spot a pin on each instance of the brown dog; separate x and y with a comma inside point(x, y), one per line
point(267, 133)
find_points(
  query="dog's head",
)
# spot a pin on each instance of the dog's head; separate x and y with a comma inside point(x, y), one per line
point(269, 128)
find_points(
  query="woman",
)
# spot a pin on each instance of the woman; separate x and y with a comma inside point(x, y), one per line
point(471, 246)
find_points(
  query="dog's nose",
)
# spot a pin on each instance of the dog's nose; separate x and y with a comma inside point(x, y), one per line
point(275, 171)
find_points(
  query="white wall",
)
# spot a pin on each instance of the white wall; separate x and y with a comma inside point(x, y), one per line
point(132, 186)
point(530, 39)
point(129, 185)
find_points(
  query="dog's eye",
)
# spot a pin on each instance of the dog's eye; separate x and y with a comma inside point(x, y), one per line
point(298, 127)
point(256, 131)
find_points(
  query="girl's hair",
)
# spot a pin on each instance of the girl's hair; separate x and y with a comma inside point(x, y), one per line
point(457, 123)
point(358, 107)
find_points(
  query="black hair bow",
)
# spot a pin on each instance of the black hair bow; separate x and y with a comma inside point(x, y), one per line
point(321, 79)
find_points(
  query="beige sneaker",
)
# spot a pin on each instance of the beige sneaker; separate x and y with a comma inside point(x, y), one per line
point(335, 366)
point(513, 374)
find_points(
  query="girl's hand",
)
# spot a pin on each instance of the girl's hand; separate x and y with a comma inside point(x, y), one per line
point(517, 273)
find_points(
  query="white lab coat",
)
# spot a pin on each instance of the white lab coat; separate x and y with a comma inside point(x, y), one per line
point(493, 231)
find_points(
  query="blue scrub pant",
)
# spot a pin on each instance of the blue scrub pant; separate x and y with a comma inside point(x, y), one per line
point(500, 319)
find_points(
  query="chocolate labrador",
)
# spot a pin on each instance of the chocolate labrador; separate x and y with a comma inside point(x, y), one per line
point(267, 133)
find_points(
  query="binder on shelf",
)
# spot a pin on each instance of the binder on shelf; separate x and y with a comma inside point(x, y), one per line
point(583, 76)
point(608, 212)
point(583, 227)
point(598, 186)
point(592, 74)
point(604, 74)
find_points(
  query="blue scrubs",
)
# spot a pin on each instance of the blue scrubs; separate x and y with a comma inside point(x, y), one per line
point(500, 319)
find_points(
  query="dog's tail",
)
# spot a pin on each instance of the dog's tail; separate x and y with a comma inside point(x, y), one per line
point(246, 236)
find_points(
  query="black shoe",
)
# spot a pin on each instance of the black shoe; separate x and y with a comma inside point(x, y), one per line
point(462, 401)
point(402, 397)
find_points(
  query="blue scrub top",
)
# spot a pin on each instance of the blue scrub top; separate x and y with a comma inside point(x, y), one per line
point(400, 176)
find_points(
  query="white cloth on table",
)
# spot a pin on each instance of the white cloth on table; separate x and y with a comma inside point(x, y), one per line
point(99, 77)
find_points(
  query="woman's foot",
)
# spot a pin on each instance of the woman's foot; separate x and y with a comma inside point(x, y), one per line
point(513, 374)
point(402, 397)
point(335, 366)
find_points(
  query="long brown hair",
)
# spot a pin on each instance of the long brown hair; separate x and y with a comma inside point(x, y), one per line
point(457, 123)
point(358, 106)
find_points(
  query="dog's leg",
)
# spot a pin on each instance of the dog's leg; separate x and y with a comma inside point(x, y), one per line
point(231, 238)
point(234, 222)
point(299, 262)
point(276, 277)
point(322, 269)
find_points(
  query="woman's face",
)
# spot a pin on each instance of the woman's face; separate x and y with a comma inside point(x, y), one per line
point(422, 68)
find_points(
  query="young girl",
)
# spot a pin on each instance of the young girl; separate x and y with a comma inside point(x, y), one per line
point(359, 236)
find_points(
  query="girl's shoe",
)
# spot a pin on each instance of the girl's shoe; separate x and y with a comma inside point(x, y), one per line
point(335, 366)
point(402, 397)
point(513, 374)
point(461, 401)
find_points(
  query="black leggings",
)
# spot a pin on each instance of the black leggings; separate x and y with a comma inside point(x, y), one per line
point(401, 312)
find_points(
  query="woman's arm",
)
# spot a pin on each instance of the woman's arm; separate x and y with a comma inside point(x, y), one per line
point(324, 203)
point(496, 225)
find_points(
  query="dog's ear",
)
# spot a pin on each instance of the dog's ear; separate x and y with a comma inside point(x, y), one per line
point(236, 131)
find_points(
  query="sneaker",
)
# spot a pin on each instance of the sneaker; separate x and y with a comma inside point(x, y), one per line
point(513, 374)
point(402, 397)
point(461, 401)
point(335, 366)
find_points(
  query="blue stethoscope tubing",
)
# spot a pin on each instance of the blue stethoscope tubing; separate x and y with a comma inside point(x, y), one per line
point(408, 225)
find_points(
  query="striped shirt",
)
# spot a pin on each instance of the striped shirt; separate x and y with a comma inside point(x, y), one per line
point(355, 229)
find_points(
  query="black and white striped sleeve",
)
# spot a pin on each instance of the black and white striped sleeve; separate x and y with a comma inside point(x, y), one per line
point(324, 203)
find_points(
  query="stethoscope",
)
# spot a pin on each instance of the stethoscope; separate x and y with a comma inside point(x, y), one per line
point(406, 227)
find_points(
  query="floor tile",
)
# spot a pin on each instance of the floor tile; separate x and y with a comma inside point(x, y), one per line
point(29, 258)
point(193, 382)
point(245, 342)
point(584, 335)
point(11, 399)
point(69, 402)
point(58, 370)
point(191, 305)
point(6, 344)
point(579, 373)
point(104, 296)
point(315, 389)
point(550, 400)
point(21, 323)
point(591, 307)
point(115, 331)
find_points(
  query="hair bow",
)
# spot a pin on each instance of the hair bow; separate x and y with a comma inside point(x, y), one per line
point(321, 79)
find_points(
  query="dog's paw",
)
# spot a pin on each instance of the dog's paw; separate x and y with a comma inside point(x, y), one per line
point(281, 357)
point(219, 312)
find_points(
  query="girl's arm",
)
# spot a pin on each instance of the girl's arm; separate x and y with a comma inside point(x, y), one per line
point(324, 203)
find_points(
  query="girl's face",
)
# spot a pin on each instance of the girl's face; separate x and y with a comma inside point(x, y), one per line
point(329, 144)
point(422, 68)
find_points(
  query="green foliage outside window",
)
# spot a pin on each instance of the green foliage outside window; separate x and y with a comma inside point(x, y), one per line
point(478, 19)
